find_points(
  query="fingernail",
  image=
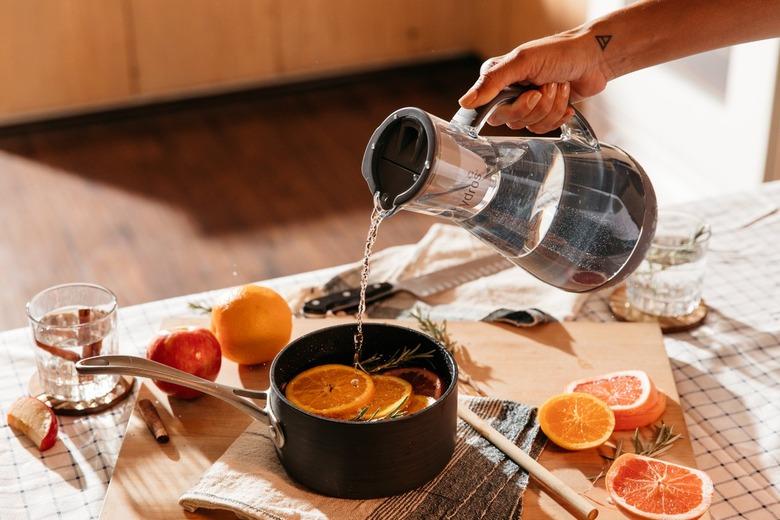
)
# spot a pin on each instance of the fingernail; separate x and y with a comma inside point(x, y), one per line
point(469, 97)
point(552, 90)
point(534, 98)
point(566, 88)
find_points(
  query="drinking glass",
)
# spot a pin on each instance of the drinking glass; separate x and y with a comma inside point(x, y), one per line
point(70, 322)
point(669, 280)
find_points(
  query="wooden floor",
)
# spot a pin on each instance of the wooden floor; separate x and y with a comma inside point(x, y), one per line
point(199, 195)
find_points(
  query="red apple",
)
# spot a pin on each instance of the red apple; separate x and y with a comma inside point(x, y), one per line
point(34, 419)
point(193, 350)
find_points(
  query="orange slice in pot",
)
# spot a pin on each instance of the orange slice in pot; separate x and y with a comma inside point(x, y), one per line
point(337, 391)
point(419, 403)
point(652, 488)
point(423, 381)
point(576, 421)
point(392, 394)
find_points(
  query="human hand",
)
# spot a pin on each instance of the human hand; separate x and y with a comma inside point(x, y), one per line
point(568, 66)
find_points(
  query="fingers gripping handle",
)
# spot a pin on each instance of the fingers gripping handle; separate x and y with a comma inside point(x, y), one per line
point(473, 119)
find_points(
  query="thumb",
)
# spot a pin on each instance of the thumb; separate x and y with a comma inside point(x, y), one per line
point(494, 76)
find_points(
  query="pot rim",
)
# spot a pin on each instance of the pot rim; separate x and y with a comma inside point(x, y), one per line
point(274, 387)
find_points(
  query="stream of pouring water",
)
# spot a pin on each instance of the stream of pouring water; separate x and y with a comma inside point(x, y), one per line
point(377, 214)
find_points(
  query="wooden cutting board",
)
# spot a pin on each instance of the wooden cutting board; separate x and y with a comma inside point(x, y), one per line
point(526, 365)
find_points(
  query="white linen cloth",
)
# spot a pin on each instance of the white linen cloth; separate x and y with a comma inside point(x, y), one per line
point(249, 479)
point(445, 246)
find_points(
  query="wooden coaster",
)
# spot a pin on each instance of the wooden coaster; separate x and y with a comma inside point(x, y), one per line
point(623, 311)
point(123, 388)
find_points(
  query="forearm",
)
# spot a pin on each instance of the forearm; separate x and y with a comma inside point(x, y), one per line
point(656, 31)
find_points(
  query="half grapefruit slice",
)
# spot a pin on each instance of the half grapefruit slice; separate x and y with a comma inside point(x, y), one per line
point(631, 394)
point(658, 490)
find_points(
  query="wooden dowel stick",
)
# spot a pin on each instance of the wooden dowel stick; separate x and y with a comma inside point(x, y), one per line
point(572, 501)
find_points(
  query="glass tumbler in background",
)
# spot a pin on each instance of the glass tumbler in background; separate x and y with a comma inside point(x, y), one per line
point(669, 281)
point(71, 322)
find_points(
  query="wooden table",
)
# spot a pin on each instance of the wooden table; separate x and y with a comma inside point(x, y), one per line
point(526, 365)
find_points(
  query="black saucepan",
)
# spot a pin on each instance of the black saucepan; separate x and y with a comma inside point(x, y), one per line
point(333, 457)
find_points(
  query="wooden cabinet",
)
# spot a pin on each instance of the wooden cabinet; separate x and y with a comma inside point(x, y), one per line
point(504, 24)
point(61, 55)
point(324, 35)
point(186, 45)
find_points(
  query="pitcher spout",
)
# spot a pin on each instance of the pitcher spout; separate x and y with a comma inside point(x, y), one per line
point(421, 163)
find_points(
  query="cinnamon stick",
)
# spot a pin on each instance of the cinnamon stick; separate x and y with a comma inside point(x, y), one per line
point(93, 349)
point(153, 421)
point(57, 351)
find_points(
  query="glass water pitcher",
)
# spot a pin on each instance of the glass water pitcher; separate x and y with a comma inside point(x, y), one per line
point(573, 212)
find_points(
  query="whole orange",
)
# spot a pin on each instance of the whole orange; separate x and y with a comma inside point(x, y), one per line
point(253, 325)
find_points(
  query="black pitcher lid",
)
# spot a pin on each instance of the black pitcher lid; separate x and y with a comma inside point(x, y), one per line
point(399, 156)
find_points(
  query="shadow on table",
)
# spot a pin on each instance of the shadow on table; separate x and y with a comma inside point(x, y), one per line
point(549, 334)
point(61, 462)
point(730, 438)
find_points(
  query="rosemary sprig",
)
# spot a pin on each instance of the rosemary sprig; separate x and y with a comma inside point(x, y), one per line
point(199, 307)
point(598, 476)
point(618, 452)
point(360, 414)
point(439, 332)
point(398, 411)
point(375, 363)
point(662, 441)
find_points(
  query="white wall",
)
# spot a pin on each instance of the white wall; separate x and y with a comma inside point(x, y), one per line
point(700, 126)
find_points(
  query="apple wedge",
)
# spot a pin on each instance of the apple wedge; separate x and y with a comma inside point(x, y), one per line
point(34, 419)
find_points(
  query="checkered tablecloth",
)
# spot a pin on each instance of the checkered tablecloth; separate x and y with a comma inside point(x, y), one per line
point(727, 374)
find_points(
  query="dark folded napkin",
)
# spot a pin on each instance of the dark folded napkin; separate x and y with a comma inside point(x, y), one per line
point(479, 482)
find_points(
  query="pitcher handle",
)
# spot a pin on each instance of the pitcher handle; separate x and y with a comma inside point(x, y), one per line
point(473, 119)
point(142, 367)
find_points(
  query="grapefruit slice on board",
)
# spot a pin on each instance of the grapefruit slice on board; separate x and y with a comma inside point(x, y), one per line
point(631, 394)
point(652, 488)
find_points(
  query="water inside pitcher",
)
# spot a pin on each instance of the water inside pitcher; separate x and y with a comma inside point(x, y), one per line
point(575, 213)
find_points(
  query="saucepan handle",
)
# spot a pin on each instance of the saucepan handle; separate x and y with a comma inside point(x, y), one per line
point(142, 367)
point(473, 119)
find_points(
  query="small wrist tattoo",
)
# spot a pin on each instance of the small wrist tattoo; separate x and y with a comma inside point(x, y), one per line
point(603, 40)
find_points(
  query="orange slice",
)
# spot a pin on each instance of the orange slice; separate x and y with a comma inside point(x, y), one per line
point(630, 393)
point(423, 381)
point(392, 394)
point(418, 403)
point(576, 421)
point(337, 391)
point(659, 490)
